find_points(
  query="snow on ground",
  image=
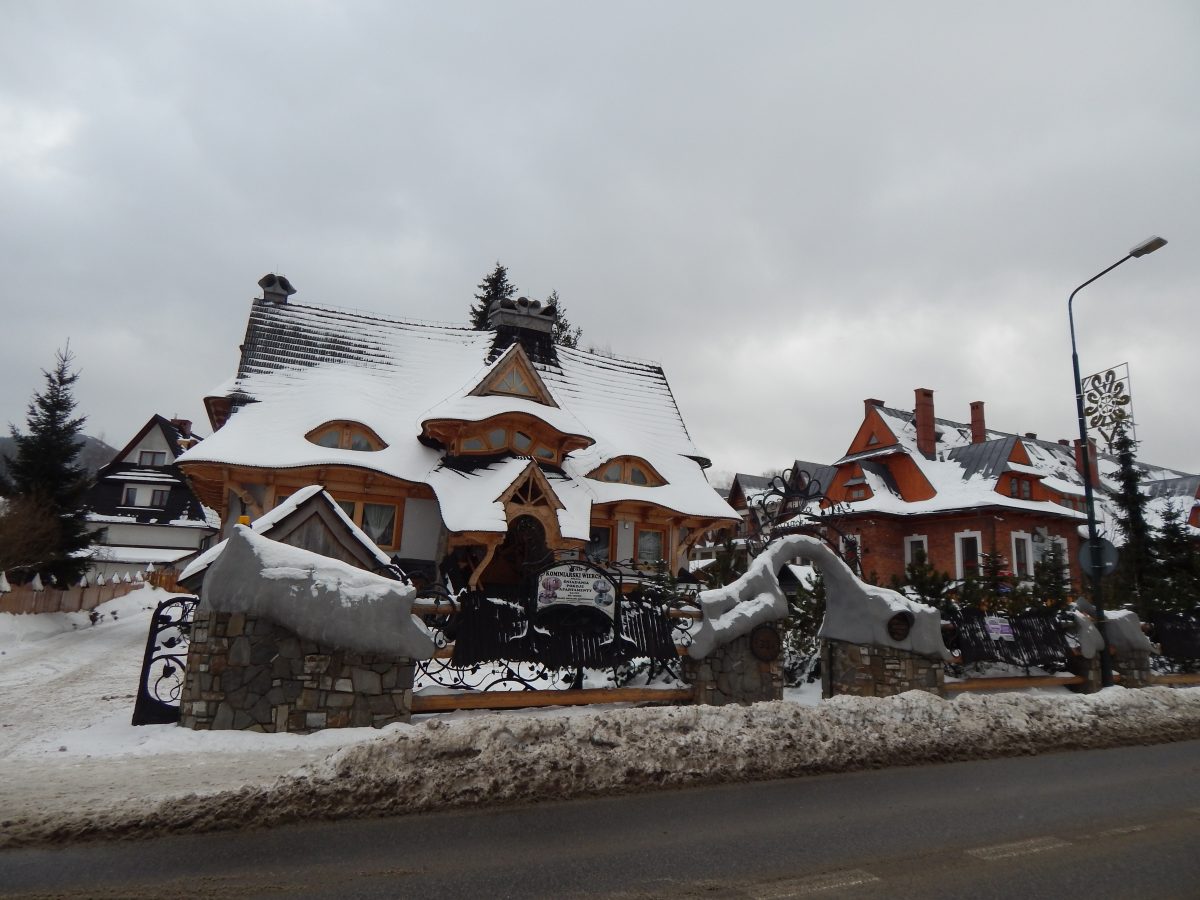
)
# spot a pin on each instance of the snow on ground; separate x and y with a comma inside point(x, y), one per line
point(74, 767)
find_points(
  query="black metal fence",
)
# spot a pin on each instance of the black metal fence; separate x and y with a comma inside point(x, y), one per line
point(164, 663)
point(1178, 634)
point(1028, 639)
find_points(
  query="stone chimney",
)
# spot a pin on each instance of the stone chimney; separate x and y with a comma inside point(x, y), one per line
point(978, 427)
point(525, 322)
point(871, 402)
point(276, 288)
point(1092, 460)
point(923, 418)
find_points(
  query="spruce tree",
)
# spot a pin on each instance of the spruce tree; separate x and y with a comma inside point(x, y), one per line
point(494, 286)
point(922, 581)
point(1178, 584)
point(1135, 570)
point(1051, 583)
point(46, 475)
point(564, 335)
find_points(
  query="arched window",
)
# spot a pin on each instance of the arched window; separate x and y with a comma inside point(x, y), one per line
point(628, 470)
point(343, 435)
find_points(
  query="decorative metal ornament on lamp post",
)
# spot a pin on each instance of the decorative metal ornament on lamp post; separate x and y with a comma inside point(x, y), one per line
point(1095, 548)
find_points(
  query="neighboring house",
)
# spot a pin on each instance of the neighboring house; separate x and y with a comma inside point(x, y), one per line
point(470, 455)
point(957, 490)
point(149, 514)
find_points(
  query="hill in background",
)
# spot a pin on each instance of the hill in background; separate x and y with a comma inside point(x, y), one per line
point(95, 453)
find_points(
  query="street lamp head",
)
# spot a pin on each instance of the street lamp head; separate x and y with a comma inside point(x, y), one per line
point(1148, 246)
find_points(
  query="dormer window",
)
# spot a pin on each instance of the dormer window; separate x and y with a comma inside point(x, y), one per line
point(628, 470)
point(498, 440)
point(513, 383)
point(152, 458)
point(345, 436)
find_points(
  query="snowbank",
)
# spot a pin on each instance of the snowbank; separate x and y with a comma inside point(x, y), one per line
point(316, 597)
point(495, 759)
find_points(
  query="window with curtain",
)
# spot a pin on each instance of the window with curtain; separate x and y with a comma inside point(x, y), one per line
point(649, 546)
point(379, 522)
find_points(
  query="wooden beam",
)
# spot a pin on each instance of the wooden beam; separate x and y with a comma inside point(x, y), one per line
point(1193, 678)
point(1016, 682)
point(521, 699)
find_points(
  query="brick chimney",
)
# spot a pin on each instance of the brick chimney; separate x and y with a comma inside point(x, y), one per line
point(869, 403)
point(183, 426)
point(978, 428)
point(1091, 460)
point(923, 415)
point(276, 288)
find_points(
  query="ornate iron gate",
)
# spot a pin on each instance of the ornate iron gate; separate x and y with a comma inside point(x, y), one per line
point(164, 662)
point(1030, 639)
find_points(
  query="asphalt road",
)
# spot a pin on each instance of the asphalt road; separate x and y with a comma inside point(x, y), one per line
point(1101, 823)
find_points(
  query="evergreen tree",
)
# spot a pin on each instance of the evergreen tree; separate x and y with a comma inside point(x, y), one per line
point(494, 286)
point(1051, 583)
point(1178, 584)
point(564, 335)
point(922, 581)
point(1135, 570)
point(45, 474)
point(801, 648)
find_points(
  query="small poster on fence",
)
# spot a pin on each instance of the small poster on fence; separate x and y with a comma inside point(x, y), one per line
point(998, 629)
point(576, 584)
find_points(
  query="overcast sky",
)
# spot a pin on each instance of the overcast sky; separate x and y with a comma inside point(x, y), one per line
point(791, 206)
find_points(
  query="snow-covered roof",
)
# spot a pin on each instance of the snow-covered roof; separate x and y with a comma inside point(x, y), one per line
point(965, 473)
point(304, 366)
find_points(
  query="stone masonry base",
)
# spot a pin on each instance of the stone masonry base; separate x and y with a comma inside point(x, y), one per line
point(868, 671)
point(732, 674)
point(247, 673)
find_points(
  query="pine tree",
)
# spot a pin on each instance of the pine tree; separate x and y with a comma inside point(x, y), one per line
point(1178, 584)
point(564, 335)
point(1051, 583)
point(494, 286)
point(922, 581)
point(1135, 570)
point(45, 474)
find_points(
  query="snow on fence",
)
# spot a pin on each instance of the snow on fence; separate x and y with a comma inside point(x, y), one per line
point(24, 599)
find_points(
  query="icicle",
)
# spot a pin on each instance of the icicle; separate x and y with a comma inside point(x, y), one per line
point(36, 584)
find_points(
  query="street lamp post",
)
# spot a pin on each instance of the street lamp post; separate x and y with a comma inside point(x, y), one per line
point(1106, 675)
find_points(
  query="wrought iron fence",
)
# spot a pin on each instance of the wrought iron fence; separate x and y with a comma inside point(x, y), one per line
point(1028, 639)
point(1178, 636)
point(164, 662)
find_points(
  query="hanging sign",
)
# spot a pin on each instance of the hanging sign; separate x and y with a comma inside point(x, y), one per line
point(579, 585)
point(998, 629)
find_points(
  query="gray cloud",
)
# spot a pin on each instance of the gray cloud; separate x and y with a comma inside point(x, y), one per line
point(791, 206)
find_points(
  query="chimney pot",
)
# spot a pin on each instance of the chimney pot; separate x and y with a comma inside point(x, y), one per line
point(978, 426)
point(1032, 435)
point(926, 431)
point(276, 288)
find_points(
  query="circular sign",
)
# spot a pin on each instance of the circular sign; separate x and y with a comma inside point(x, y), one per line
point(765, 643)
point(1103, 557)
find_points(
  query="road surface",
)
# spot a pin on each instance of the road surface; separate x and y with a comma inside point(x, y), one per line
point(1101, 823)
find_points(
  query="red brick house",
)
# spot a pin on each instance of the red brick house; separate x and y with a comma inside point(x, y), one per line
point(960, 489)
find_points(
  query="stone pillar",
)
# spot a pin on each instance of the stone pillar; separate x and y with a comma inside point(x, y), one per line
point(864, 670)
point(247, 673)
point(1089, 669)
point(732, 674)
point(1134, 668)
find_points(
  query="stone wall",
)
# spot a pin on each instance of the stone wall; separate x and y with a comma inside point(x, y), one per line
point(868, 671)
point(247, 673)
point(1134, 669)
point(732, 674)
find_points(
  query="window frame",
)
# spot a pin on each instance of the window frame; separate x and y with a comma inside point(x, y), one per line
point(157, 495)
point(959, 568)
point(612, 541)
point(912, 540)
point(1022, 538)
point(129, 495)
point(347, 432)
point(661, 531)
point(157, 458)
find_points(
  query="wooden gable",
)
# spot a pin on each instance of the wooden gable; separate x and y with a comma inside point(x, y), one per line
point(513, 375)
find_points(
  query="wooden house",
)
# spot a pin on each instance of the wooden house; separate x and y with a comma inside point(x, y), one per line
point(468, 455)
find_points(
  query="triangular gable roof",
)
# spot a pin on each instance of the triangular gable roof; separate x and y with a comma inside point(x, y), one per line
point(513, 375)
point(286, 520)
point(169, 432)
point(872, 434)
point(531, 488)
